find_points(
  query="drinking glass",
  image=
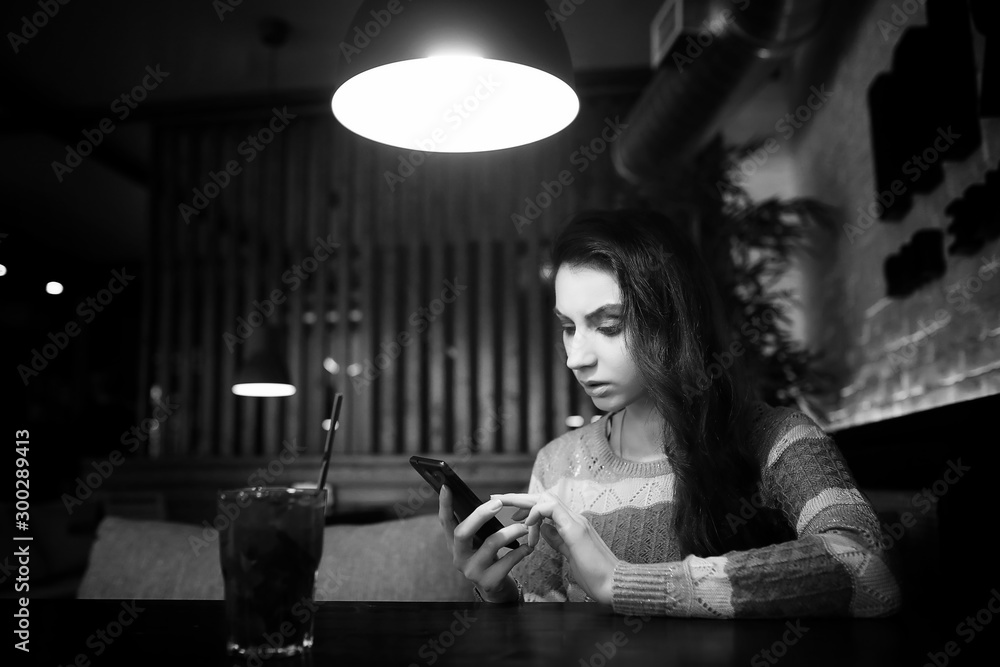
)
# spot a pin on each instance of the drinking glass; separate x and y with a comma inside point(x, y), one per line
point(271, 542)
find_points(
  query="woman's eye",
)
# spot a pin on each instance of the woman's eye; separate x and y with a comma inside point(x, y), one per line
point(568, 331)
point(611, 330)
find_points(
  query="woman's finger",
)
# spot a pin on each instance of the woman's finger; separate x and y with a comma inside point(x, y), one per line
point(466, 530)
point(486, 555)
point(498, 571)
point(522, 500)
point(553, 537)
point(446, 515)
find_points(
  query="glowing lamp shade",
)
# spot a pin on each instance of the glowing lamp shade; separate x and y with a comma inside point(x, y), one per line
point(264, 372)
point(454, 76)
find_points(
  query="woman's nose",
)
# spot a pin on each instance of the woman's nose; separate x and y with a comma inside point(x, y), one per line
point(579, 352)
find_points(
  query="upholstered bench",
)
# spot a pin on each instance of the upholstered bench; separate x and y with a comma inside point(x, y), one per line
point(404, 559)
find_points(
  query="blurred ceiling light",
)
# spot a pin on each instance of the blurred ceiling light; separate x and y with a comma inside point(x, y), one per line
point(574, 421)
point(264, 372)
point(331, 365)
point(326, 425)
point(3, 270)
point(454, 76)
point(263, 389)
point(54, 287)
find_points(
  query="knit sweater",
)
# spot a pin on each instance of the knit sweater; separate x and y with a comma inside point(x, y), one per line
point(836, 566)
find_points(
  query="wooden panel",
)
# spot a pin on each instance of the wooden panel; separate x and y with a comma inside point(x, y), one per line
point(511, 346)
point(249, 225)
point(272, 193)
point(309, 188)
point(463, 392)
point(412, 397)
point(227, 238)
point(343, 279)
point(209, 326)
point(437, 315)
point(184, 318)
point(293, 211)
point(488, 371)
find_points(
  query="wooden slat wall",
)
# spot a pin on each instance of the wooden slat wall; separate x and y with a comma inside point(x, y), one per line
point(487, 373)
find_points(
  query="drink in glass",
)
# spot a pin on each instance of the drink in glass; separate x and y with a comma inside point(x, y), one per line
point(270, 551)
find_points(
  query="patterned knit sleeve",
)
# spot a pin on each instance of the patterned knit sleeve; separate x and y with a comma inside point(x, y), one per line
point(541, 572)
point(836, 567)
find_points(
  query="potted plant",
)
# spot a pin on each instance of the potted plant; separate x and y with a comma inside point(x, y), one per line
point(751, 245)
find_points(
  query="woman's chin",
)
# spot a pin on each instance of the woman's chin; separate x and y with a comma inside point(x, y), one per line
point(607, 403)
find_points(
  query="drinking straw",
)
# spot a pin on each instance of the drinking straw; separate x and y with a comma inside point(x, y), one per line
point(337, 400)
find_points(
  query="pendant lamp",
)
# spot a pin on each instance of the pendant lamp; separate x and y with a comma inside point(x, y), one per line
point(454, 76)
point(264, 373)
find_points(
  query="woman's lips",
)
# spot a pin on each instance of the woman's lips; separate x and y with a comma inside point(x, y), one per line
point(596, 388)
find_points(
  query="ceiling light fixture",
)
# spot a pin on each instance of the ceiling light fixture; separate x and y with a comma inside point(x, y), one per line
point(264, 373)
point(454, 76)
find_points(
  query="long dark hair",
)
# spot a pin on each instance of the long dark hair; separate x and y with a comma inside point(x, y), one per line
point(677, 335)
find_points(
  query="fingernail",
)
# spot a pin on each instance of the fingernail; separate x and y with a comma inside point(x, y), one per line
point(495, 505)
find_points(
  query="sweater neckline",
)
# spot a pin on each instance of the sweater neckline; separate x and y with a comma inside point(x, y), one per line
point(608, 458)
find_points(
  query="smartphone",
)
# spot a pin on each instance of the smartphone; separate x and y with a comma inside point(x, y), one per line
point(464, 501)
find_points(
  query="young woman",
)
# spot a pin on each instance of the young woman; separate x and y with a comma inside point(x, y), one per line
point(687, 497)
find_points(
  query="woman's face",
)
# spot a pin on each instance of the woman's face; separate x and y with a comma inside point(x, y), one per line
point(589, 308)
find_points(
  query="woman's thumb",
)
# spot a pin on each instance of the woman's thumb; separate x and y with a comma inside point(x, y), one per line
point(553, 537)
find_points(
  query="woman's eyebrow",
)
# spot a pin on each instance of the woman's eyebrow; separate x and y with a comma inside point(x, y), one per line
point(607, 310)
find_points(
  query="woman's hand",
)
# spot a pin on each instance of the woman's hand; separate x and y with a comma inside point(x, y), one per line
point(591, 560)
point(490, 574)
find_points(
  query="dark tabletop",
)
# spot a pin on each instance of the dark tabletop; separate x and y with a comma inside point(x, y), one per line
point(189, 633)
